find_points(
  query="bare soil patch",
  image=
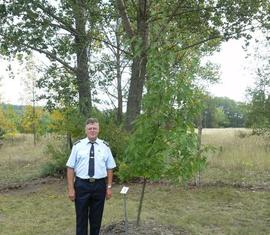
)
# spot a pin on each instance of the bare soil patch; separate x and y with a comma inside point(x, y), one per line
point(246, 187)
point(146, 228)
point(29, 186)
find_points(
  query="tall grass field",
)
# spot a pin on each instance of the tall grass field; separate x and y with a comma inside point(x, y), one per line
point(233, 196)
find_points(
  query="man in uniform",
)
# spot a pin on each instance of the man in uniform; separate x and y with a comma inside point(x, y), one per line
point(91, 165)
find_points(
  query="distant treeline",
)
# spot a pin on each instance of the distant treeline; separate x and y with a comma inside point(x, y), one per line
point(224, 112)
point(218, 112)
point(17, 108)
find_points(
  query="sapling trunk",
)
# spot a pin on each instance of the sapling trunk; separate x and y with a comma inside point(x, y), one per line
point(141, 202)
point(199, 143)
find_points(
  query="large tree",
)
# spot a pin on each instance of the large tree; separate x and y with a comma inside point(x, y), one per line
point(68, 31)
point(184, 24)
point(61, 30)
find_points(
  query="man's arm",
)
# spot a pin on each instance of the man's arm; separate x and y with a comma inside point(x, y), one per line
point(109, 183)
point(70, 183)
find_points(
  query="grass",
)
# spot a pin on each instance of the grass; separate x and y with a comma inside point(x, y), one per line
point(237, 159)
point(213, 208)
point(20, 160)
point(199, 211)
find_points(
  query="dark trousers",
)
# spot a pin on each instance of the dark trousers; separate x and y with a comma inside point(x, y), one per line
point(89, 205)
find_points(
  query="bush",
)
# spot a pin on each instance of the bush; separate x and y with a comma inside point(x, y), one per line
point(113, 133)
point(58, 157)
point(2, 132)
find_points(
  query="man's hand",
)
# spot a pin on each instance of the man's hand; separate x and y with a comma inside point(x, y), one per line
point(71, 194)
point(108, 193)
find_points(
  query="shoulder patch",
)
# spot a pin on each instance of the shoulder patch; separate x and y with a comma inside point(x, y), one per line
point(104, 142)
point(78, 141)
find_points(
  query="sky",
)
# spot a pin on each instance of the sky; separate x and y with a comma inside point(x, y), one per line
point(235, 70)
point(10, 88)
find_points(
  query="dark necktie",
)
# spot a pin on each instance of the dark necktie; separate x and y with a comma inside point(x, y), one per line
point(91, 169)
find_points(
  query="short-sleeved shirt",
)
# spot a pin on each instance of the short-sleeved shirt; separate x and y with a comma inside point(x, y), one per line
point(79, 158)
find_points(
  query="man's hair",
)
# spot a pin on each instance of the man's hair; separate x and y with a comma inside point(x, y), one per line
point(91, 121)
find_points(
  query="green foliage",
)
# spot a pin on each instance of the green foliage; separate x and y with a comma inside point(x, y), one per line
point(8, 122)
point(223, 112)
point(68, 123)
point(183, 157)
point(58, 30)
point(60, 86)
point(143, 156)
point(259, 109)
point(2, 133)
point(58, 155)
point(114, 134)
point(32, 120)
point(67, 120)
point(222, 119)
point(164, 144)
point(66, 33)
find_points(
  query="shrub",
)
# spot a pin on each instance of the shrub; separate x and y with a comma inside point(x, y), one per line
point(58, 154)
point(2, 132)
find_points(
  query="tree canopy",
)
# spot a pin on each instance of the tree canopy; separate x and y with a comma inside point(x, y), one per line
point(70, 32)
point(259, 109)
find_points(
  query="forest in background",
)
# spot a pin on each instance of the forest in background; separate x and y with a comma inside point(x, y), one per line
point(219, 112)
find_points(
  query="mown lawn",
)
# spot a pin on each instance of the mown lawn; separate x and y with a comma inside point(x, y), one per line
point(205, 210)
point(233, 198)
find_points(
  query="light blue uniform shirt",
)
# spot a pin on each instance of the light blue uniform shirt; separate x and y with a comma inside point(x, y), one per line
point(79, 159)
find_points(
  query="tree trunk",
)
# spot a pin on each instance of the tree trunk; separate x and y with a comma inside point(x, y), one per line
point(119, 78)
point(138, 72)
point(141, 202)
point(137, 80)
point(34, 115)
point(200, 127)
point(34, 123)
point(199, 143)
point(69, 141)
point(82, 45)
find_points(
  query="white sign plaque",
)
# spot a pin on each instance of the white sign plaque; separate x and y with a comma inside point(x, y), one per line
point(124, 190)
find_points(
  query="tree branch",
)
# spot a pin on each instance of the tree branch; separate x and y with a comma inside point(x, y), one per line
point(186, 11)
point(63, 24)
point(228, 36)
point(126, 22)
point(110, 44)
point(54, 57)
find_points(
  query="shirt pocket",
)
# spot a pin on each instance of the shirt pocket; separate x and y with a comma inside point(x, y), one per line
point(82, 155)
point(100, 155)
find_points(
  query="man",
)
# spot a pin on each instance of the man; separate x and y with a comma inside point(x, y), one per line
point(91, 165)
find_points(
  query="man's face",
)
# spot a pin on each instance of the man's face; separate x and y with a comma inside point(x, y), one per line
point(92, 130)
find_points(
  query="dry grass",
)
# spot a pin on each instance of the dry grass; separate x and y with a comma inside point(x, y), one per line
point(20, 160)
point(239, 157)
point(215, 208)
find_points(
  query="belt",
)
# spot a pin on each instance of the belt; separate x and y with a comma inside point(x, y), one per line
point(90, 180)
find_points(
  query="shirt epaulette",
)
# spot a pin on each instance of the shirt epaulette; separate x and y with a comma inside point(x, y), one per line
point(78, 141)
point(106, 143)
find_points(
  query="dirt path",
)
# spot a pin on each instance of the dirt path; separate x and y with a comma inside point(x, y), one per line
point(150, 228)
point(35, 184)
point(29, 186)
